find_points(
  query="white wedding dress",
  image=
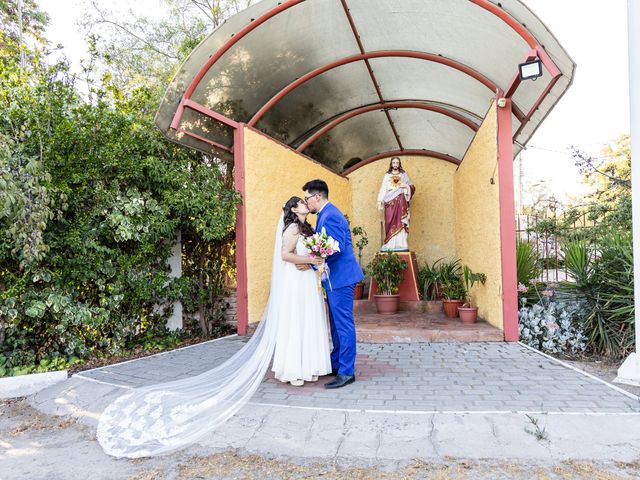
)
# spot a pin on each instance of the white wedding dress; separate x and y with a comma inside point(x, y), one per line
point(302, 340)
point(160, 419)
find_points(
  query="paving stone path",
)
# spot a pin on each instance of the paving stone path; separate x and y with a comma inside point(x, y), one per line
point(415, 377)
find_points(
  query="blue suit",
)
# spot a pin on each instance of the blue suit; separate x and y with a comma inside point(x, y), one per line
point(344, 274)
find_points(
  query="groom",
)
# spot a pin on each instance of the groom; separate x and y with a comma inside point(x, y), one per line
point(344, 274)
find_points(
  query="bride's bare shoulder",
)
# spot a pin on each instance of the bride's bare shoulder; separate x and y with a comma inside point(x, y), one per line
point(292, 230)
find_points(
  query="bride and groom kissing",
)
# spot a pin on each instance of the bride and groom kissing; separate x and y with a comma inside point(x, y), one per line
point(292, 337)
point(302, 341)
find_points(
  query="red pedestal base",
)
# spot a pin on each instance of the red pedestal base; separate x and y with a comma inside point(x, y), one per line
point(408, 289)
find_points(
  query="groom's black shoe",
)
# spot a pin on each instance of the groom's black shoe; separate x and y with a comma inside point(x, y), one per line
point(340, 381)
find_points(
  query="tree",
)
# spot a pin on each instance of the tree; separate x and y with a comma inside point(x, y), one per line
point(610, 175)
point(138, 50)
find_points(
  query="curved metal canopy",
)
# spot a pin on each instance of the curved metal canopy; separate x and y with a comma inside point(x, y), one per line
point(345, 79)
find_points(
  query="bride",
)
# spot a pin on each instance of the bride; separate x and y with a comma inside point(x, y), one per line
point(162, 418)
point(302, 350)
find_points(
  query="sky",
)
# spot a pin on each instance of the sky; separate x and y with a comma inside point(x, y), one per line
point(593, 112)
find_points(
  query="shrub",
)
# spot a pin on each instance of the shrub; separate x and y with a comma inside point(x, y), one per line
point(603, 280)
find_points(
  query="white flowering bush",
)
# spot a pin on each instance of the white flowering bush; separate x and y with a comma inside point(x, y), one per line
point(552, 326)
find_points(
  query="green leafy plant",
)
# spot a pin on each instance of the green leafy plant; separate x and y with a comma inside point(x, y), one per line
point(92, 199)
point(453, 289)
point(386, 269)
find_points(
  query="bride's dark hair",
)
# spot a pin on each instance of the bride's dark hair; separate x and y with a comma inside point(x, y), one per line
point(290, 217)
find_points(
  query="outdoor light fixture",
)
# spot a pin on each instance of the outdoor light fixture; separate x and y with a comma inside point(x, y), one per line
point(530, 70)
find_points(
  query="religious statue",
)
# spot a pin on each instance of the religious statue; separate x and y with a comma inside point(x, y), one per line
point(395, 193)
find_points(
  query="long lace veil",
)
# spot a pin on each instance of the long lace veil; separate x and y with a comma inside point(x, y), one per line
point(162, 418)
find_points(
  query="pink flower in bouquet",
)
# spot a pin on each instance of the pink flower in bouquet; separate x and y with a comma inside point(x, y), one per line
point(330, 252)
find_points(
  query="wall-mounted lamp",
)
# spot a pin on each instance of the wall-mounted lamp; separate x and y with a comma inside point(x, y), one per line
point(530, 70)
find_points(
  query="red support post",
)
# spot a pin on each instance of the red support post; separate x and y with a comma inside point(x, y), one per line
point(241, 232)
point(507, 225)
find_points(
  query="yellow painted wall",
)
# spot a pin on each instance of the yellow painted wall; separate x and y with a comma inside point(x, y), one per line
point(477, 218)
point(432, 228)
point(273, 174)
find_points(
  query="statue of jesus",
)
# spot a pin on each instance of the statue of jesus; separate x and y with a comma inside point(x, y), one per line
point(395, 192)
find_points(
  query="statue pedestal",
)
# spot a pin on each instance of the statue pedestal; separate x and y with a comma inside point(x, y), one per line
point(408, 289)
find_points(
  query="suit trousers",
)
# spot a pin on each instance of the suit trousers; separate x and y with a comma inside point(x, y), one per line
point(343, 329)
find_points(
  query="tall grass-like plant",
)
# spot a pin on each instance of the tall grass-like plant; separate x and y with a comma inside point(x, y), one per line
point(429, 281)
point(526, 262)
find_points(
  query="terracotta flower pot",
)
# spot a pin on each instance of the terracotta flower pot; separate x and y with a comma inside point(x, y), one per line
point(434, 306)
point(387, 304)
point(468, 314)
point(451, 307)
point(358, 292)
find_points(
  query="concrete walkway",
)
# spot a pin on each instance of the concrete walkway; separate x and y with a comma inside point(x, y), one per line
point(410, 401)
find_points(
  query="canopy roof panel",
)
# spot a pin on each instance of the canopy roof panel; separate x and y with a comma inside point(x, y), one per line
point(338, 79)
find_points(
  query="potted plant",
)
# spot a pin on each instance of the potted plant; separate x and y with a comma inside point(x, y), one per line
point(468, 312)
point(361, 241)
point(386, 269)
point(454, 294)
point(431, 286)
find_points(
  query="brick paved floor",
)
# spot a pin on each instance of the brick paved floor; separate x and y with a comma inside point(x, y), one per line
point(411, 324)
point(443, 377)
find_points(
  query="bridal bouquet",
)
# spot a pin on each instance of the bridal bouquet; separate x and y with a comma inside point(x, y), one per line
point(323, 246)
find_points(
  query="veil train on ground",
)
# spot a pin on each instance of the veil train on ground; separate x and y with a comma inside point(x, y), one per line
point(162, 418)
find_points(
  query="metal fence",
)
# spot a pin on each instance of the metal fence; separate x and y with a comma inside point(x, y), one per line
point(543, 232)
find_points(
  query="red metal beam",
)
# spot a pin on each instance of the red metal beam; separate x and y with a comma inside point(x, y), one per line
point(386, 106)
point(242, 297)
point(507, 224)
point(188, 103)
point(521, 30)
point(485, 4)
point(224, 49)
point(365, 56)
point(205, 140)
point(515, 82)
point(509, 20)
point(352, 24)
point(392, 153)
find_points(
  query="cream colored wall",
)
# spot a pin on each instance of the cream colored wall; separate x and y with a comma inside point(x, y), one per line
point(477, 218)
point(432, 228)
point(273, 174)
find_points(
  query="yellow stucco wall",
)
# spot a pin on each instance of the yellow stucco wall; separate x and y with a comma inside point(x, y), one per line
point(477, 218)
point(432, 228)
point(273, 174)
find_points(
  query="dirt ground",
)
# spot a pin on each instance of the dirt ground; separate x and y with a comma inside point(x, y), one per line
point(602, 368)
point(34, 446)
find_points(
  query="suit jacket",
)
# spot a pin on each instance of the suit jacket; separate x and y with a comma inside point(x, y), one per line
point(343, 266)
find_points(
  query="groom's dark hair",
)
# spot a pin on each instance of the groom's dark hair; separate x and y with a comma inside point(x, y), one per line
point(317, 186)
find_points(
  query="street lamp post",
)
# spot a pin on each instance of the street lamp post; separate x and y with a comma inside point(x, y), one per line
point(629, 371)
